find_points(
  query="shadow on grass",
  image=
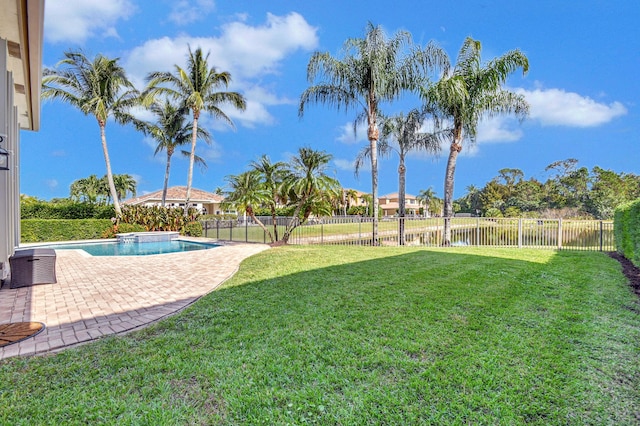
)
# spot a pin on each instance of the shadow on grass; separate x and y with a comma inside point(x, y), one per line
point(398, 336)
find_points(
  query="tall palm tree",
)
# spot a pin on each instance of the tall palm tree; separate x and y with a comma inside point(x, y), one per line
point(273, 176)
point(307, 184)
point(97, 87)
point(197, 88)
point(470, 92)
point(374, 69)
point(170, 132)
point(246, 192)
point(402, 134)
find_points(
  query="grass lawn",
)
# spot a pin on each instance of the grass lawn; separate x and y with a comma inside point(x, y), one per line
point(353, 336)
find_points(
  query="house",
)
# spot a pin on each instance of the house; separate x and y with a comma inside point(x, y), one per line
point(206, 202)
point(21, 40)
point(390, 204)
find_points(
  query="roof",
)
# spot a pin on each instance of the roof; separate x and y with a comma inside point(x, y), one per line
point(177, 194)
point(22, 25)
point(395, 195)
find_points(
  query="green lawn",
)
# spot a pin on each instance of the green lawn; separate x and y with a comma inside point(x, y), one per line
point(353, 336)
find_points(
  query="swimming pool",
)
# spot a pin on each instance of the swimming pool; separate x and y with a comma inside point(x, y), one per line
point(134, 249)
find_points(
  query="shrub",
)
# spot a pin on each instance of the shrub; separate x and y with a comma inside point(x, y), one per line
point(41, 230)
point(627, 231)
point(493, 212)
point(192, 229)
point(65, 210)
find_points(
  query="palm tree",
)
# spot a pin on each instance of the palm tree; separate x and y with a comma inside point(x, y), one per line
point(426, 196)
point(402, 134)
point(351, 195)
point(86, 189)
point(170, 131)
point(374, 69)
point(469, 93)
point(99, 88)
point(197, 89)
point(247, 191)
point(125, 184)
point(307, 184)
point(273, 176)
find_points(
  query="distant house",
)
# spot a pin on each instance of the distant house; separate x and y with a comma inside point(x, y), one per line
point(206, 202)
point(390, 204)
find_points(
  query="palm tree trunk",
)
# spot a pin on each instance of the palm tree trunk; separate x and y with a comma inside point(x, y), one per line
point(402, 172)
point(448, 192)
point(274, 221)
point(192, 159)
point(112, 186)
point(166, 178)
point(249, 210)
point(373, 144)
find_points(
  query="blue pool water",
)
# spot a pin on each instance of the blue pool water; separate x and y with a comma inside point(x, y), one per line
point(135, 249)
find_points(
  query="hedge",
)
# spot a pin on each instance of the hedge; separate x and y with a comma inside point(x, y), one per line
point(45, 230)
point(47, 210)
point(627, 231)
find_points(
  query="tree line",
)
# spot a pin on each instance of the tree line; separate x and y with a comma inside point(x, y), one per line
point(571, 191)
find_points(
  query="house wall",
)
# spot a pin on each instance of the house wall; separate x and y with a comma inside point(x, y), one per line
point(9, 180)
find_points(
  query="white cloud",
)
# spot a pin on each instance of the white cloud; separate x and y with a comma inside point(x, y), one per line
point(184, 12)
point(246, 52)
point(77, 20)
point(349, 165)
point(51, 183)
point(555, 107)
point(348, 137)
point(498, 129)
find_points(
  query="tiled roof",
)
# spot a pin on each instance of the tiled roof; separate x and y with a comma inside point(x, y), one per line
point(177, 194)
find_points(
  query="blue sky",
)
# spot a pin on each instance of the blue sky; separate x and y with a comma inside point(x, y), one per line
point(582, 86)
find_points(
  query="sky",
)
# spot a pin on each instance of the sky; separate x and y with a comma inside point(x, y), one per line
point(582, 87)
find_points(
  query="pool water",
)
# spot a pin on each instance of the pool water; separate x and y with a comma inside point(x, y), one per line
point(135, 249)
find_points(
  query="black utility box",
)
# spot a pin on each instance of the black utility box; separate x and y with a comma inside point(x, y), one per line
point(33, 266)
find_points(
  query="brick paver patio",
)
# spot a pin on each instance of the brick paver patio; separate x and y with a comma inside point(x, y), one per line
point(98, 296)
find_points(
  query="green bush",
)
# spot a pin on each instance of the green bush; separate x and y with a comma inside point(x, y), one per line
point(65, 210)
point(41, 230)
point(192, 229)
point(626, 225)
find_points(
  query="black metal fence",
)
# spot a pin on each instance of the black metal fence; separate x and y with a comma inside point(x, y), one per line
point(560, 234)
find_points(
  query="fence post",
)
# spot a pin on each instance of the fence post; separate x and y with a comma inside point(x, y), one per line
point(360, 231)
point(559, 233)
point(217, 229)
point(246, 231)
point(477, 231)
point(519, 232)
point(601, 235)
point(321, 233)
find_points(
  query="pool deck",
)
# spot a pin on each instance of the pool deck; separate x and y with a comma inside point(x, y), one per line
point(100, 296)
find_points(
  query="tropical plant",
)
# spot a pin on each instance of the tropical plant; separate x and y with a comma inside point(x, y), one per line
point(273, 176)
point(196, 88)
point(246, 193)
point(402, 134)
point(426, 196)
point(374, 69)
point(87, 190)
point(170, 132)
point(467, 94)
point(308, 186)
point(125, 184)
point(97, 87)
